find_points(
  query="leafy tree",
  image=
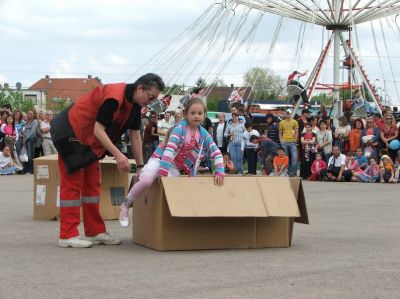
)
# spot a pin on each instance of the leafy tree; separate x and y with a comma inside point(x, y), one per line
point(16, 99)
point(201, 82)
point(212, 103)
point(219, 82)
point(266, 84)
point(322, 98)
point(175, 89)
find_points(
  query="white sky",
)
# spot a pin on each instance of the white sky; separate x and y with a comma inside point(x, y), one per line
point(112, 39)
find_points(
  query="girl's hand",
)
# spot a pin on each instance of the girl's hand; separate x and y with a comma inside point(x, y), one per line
point(219, 180)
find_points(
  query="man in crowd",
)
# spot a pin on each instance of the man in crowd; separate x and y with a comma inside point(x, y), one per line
point(272, 128)
point(164, 125)
point(336, 165)
point(47, 143)
point(288, 136)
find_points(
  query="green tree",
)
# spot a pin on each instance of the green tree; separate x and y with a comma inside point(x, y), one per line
point(212, 103)
point(201, 82)
point(323, 98)
point(16, 99)
point(219, 82)
point(266, 84)
point(175, 89)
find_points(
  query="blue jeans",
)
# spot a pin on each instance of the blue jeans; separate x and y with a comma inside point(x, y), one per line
point(291, 152)
point(149, 149)
point(236, 154)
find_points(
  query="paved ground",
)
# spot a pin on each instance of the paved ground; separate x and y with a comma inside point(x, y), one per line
point(350, 250)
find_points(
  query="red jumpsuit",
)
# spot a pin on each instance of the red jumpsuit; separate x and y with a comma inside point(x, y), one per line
point(79, 152)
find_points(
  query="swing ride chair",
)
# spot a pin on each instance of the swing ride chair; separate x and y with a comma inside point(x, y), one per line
point(207, 46)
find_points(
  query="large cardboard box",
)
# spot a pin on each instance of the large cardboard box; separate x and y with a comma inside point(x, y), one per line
point(192, 213)
point(46, 199)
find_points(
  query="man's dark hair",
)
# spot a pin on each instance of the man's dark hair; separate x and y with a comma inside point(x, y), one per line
point(281, 148)
point(150, 80)
point(6, 106)
point(252, 137)
point(196, 90)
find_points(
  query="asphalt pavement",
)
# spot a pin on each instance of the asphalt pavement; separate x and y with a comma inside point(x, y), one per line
point(351, 249)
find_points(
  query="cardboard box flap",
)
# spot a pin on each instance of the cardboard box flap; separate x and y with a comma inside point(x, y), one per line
point(199, 197)
point(278, 196)
point(297, 187)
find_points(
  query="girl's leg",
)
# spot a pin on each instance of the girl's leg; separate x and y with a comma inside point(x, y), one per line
point(138, 188)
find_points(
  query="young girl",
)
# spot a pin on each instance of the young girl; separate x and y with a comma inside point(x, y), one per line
point(181, 151)
point(371, 174)
point(316, 168)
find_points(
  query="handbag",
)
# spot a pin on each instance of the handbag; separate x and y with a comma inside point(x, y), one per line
point(23, 155)
point(332, 165)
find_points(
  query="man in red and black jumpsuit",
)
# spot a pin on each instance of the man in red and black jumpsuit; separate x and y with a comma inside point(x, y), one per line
point(82, 134)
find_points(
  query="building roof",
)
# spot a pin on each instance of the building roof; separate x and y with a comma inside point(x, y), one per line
point(223, 93)
point(68, 89)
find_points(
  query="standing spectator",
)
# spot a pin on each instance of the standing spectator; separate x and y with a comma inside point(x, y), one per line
point(281, 163)
point(163, 126)
point(355, 135)
point(47, 143)
point(308, 143)
point(317, 167)
point(250, 149)
point(342, 135)
point(177, 117)
point(243, 114)
point(272, 128)
point(323, 113)
point(234, 132)
point(314, 124)
point(324, 141)
point(288, 136)
point(329, 125)
point(303, 120)
point(20, 126)
point(150, 140)
point(336, 164)
point(39, 135)
point(370, 139)
point(29, 139)
point(389, 132)
point(218, 130)
point(4, 114)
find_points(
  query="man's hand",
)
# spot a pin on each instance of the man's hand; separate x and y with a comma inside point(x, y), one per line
point(122, 163)
point(219, 180)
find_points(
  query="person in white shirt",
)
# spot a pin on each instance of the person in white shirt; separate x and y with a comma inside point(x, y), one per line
point(218, 133)
point(163, 126)
point(250, 147)
point(6, 164)
point(47, 144)
point(336, 165)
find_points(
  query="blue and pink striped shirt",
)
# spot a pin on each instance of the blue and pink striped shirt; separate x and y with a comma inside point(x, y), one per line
point(178, 140)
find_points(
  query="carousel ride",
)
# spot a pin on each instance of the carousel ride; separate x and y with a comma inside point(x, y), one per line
point(233, 28)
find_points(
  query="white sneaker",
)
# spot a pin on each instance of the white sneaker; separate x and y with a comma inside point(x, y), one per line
point(75, 242)
point(124, 215)
point(104, 238)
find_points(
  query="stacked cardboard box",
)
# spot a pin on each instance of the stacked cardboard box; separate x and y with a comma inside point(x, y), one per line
point(46, 199)
point(192, 213)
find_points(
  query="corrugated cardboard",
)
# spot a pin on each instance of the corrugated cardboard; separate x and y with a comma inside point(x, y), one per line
point(192, 213)
point(114, 186)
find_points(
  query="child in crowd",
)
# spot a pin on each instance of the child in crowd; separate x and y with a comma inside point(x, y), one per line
point(361, 159)
point(387, 171)
point(181, 151)
point(351, 167)
point(280, 163)
point(6, 164)
point(228, 164)
point(369, 175)
point(316, 168)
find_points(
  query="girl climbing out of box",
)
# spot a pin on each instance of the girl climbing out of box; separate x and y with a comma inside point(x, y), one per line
point(181, 151)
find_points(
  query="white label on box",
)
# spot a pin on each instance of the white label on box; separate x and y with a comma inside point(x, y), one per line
point(41, 194)
point(58, 196)
point(42, 172)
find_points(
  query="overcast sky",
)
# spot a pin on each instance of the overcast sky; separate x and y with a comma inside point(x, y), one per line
point(112, 39)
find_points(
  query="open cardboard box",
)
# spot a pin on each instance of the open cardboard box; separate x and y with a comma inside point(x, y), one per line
point(185, 213)
point(46, 197)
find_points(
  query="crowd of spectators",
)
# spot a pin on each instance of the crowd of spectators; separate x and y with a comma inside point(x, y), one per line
point(23, 137)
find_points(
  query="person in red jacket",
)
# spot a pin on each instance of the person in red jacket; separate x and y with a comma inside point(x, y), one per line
point(83, 133)
point(316, 168)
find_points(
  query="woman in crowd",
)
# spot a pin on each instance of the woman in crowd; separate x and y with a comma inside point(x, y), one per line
point(39, 137)
point(389, 132)
point(370, 139)
point(29, 139)
point(324, 141)
point(19, 125)
point(308, 143)
point(218, 133)
point(342, 135)
point(177, 117)
point(355, 135)
point(234, 132)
